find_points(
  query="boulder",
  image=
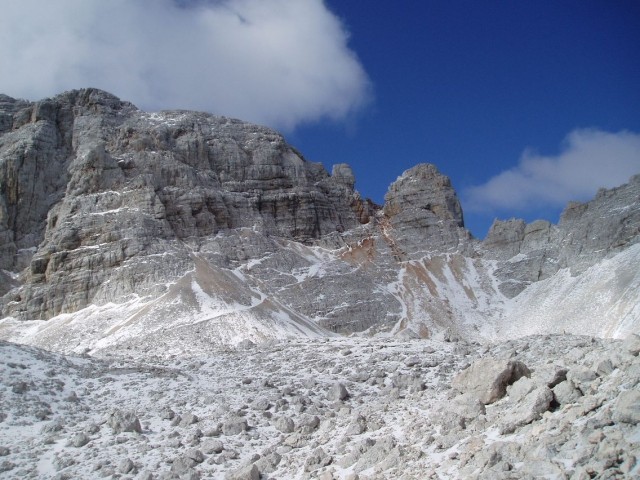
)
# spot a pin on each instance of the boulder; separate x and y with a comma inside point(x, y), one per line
point(123, 421)
point(268, 463)
point(234, 426)
point(582, 379)
point(529, 408)
point(79, 440)
point(631, 344)
point(488, 378)
point(627, 407)
point(317, 459)
point(307, 423)
point(565, 393)
point(283, 424)
point(337, 392)
point(249, 472)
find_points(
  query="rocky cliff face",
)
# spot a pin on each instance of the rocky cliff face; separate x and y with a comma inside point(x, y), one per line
point(90, 183)
point(424, 212)
point(122, 227)
point(586, 234)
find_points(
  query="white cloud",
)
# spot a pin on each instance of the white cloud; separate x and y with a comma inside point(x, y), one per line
point(277, 62)
point(589, 159)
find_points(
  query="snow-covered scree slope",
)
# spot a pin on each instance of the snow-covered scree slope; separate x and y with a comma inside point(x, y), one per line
point(554, 406)
point(441, 296)
point(611, 290)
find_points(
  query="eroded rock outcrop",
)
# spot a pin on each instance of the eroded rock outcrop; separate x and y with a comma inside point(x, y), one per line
point(186, 227)
point(423, 209)
point(587, 233)
point(90, 184)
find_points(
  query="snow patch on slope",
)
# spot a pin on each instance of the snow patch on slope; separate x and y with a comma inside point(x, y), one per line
point(207, 307)
point(603, 301)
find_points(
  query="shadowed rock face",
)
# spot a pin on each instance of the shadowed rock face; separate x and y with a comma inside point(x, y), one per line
point(174, 219)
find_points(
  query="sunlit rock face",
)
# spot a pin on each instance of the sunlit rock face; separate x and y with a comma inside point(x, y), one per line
point(91, 185)
point(586, 234)
point(424, 211)
point(121, 227)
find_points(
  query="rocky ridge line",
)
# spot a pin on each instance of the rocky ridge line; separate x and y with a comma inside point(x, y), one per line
point(90, 181)
point(587, 233)
point(132, 220)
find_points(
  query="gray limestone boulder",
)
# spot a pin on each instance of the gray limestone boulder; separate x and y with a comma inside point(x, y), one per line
point(337, 392)
point(317, 459)
point(234, 426)
point(520, 389)
point(79, 440)
point(627, 407)
point(268, 463)
point(123, 421)
point(307, 423)
point(357, 426)
point(582, 378)
point(212, 446)
point(565, 393)
point(487, 379)
point(631, 344)
point(126, 466)
point(183, 466)
point(527, 409)
point(376, 454)
point(468, 406)
point(283, 424)
point(249, 472)
point(188, 419)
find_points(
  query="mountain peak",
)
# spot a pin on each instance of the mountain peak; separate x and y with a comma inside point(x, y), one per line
point(186, 222)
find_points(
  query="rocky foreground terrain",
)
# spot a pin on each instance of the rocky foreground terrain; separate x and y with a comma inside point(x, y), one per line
point(554, 406)
point(186, 296)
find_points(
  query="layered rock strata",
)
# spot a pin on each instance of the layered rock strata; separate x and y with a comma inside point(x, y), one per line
point(121, 225)
point(424, 212)
point(90, 183)
point(587, 233)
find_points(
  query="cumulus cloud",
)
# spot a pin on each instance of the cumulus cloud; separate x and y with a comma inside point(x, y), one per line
point(589, 159)
point(276, 62)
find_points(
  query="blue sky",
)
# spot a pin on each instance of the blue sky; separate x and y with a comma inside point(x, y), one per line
point(470, 85)
point(524, 104)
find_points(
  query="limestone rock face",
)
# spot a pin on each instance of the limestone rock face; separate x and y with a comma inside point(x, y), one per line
point(89, 183)
point(125, 229)
point(505, 237)
point(423, 209)
point(587, 233)
point(601, 227)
